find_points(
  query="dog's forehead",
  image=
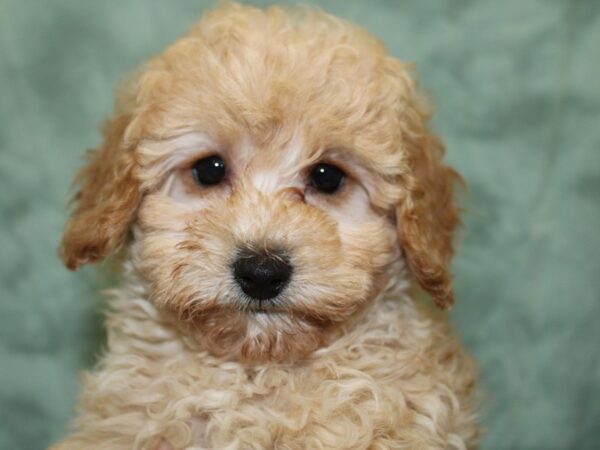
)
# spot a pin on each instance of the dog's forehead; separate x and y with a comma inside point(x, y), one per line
point(273, 164)
point(274, 103)
point(282, 129)
point(239, 78)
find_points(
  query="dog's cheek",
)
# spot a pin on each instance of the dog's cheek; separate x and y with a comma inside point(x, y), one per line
point(372, 245)
point(184, 269)
point(368, 244)
point(367, 250)
point(167, 269)
point(336, 250)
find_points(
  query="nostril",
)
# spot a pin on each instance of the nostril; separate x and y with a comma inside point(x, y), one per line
point(261, 276)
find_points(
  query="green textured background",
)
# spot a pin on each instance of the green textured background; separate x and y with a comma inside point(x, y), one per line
point(517, 85)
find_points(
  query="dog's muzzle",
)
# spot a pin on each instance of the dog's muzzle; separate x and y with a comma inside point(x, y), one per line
point(262, 275)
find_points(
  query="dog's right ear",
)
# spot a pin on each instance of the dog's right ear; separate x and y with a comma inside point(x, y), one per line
point(107, 200)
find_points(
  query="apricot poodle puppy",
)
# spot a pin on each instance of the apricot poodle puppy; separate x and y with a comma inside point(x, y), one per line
point(275, 196)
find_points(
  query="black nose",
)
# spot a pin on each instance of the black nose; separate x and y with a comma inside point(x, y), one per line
point(262, 275)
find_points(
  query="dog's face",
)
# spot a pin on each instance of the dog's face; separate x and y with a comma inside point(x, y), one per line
point(270, 174)
point(263, 245)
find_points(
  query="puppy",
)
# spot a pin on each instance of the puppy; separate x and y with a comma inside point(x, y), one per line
point(274, 193)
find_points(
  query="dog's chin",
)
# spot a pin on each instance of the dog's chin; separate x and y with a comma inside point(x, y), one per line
point(253, 333)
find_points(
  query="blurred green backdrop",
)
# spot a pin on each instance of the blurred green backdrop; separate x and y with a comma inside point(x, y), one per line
point(517, 88)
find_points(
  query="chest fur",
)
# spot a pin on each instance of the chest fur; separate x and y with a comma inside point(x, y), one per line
point(397, 380)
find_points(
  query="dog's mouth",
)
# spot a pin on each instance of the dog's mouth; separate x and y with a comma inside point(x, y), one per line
point(264, 307)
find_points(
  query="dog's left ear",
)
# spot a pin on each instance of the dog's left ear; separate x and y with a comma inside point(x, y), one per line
point(427, 215)
point(107, 200)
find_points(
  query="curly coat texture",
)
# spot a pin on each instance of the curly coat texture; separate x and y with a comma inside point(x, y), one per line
point(345, 357)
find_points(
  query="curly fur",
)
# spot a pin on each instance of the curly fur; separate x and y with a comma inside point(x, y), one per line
point(345, 357)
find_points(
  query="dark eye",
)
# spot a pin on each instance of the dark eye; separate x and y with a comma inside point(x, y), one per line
point(326, 178)
point(209, 171)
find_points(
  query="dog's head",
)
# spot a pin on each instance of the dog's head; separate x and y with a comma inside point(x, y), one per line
point(268, 174)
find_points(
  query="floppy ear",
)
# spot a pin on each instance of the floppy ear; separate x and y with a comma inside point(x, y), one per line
point(107, 200)
point(427, 215)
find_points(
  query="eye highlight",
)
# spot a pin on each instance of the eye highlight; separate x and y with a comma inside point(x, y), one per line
point(326, 178)
point(209, 171)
